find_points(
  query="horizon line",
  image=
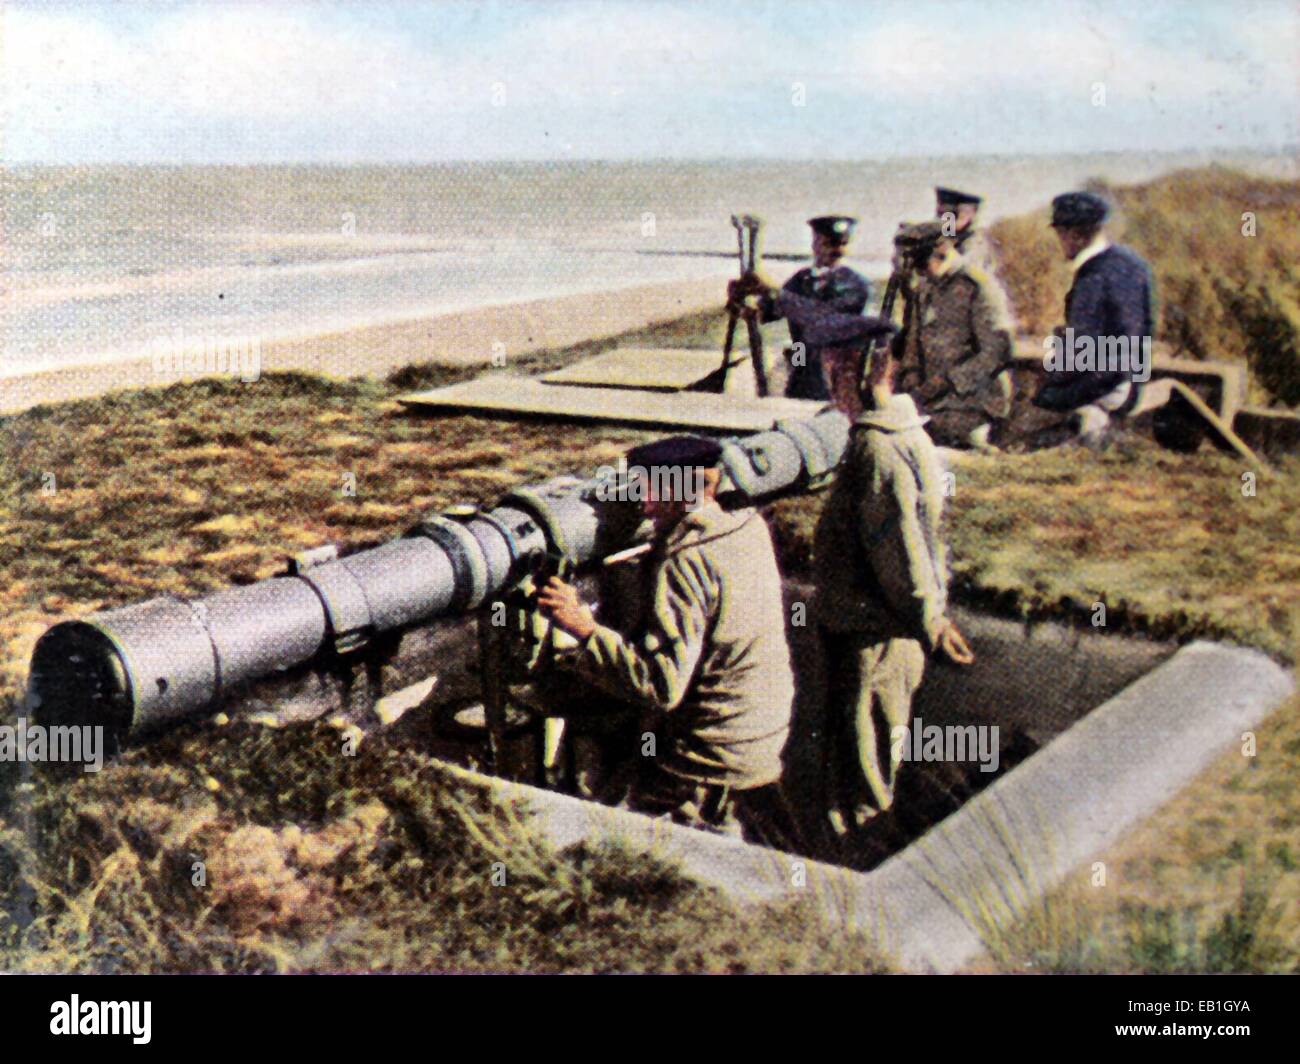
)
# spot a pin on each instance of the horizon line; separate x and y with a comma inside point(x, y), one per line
point(1281, 149)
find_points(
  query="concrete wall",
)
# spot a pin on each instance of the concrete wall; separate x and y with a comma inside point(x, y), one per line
point(1001, 851)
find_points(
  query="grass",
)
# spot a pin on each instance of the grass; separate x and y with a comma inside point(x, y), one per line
point(1208, 883)
point(1168, 544)
point(1233, 914)
point(315, 861)
point(293, 857)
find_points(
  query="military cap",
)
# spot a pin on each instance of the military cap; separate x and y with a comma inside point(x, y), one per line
point(1079, 209)
point(676, 452)
point(919, 237)
point(834, 226)
point(955, 197)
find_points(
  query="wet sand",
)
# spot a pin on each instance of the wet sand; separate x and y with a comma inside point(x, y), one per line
point(462, 338)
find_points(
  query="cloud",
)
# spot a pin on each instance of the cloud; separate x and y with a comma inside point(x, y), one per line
point(619, 77)
point(577, 50)
point(1054, 52)
point(238, 62)
point(265, 63)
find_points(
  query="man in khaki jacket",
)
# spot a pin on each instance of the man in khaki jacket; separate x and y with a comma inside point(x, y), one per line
point(711, 663)
point(881, 594)
point(955, 346)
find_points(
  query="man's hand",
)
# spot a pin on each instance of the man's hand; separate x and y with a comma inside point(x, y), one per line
point(750, 284)
point(560, 602)
point(952, 644)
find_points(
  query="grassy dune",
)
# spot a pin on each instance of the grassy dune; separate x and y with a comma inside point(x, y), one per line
point(315, 861)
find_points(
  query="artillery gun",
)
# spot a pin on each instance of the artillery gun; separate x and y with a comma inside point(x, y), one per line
point(333, 629)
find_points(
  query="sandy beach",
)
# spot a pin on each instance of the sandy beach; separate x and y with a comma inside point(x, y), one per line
point(459, 338)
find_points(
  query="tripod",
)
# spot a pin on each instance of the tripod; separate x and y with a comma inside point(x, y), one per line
point(747, 228)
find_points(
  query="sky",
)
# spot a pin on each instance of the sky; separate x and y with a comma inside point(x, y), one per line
point(316, 81)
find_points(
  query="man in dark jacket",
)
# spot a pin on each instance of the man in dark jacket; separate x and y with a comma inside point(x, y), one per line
point(830, 282)
point(1105, 345)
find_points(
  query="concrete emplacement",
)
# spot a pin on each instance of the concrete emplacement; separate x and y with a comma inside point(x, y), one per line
point(1097, 773)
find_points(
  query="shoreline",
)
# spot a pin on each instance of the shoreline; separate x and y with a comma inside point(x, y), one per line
point(459, 337)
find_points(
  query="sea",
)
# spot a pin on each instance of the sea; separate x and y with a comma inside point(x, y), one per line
point(99, 263)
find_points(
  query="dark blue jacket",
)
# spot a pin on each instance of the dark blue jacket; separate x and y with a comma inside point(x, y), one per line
point(1111, 296)
point(842, 290)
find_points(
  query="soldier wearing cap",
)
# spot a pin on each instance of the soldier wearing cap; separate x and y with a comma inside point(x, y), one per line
point(1110, 300)
point(958, 211)
point(955, 345)
point(710, 665)
point(840, 337)
point(881, 593)
point(829, 282)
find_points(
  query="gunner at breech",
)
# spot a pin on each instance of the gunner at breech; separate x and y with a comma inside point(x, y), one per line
point(710, 664)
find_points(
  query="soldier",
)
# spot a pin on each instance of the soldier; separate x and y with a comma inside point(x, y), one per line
point(955, 347)
point(711, 663)
point(958, 211)
point(881, 594)
point(1109, 304)
point(836, 334)
point(829, 282)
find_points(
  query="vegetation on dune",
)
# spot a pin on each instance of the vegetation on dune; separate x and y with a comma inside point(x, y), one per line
point(1224, 247)
point(1209, 883)
point(1168, 543)
point(257, 849)
point(316, 861)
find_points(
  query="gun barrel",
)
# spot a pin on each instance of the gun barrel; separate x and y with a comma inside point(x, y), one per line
point(139, 668)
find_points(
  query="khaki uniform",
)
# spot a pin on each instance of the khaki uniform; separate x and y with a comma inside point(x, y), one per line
point(711, 664)
point(881, 595)
point(976, 251)
point(955, 353)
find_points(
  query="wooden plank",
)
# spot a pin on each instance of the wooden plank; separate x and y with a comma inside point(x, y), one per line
point(1273, 431)
point(669, 369)
point(1222, 427)
point(507, 395)
point(1229, 378)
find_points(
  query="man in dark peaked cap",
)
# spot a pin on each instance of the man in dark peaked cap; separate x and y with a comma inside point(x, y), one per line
point(959, 212)
point(830, 282)
point(836, 330)
point(1108, 312)
point(710, 666)
point(955, 345)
